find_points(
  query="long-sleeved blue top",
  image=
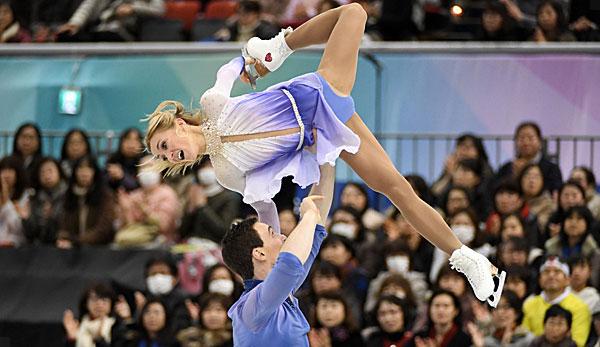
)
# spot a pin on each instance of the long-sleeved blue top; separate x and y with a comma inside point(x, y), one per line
point(267, 314)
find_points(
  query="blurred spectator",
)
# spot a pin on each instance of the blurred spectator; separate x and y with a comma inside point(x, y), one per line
point(210, 208)
point(456, 283)
point(297, 11)
point(444, 323)
point(570, 194)
point(122, 166)
point(518, 280)
point(503, 327)
point(162, 282)
point(108, 20)
point(508, 199)
point(44, 16)
point(393, 321)
point(47, 203)
point(457, 198)
point(465, 226)
point(75, 146)
point(397, 260)
point(27, 146)
point(148, 215)
point(397, 285)
point(221, 280)
point(89, 208)
point(421, 251)
point(594, 339)
point(536, 197)
point(14, 202)
point(575, 237)
point(529, 149)
point(326, 5)
point(513, 226)
point(586, 179)
point(554, 281)
point(325, 277)
point(396, 22)
point(287, 221)
point(214, 329)
point(346, 222)
point(551, 23)
point(153, 329)
point(96, 318)
point(581, 272)
point(557, 329)
point(339, 251)
point(333, 323)
point(496, 25)
point(469, 175)
point(248, 24)
point(11, 31)
point(421, 188)
point(355, 195)
point(585, 19)
point(468, 146)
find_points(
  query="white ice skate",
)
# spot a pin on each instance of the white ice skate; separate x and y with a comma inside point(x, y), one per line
point(480, 273)
point(271, 53)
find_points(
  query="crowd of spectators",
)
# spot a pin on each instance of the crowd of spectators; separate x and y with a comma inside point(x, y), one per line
point(239, 20)
point(377, 281)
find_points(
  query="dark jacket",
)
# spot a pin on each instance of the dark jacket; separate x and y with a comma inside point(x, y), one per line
point(379, 338)
point(40, 228)
point(552, 175)
point(213, 220)
point(98, 224)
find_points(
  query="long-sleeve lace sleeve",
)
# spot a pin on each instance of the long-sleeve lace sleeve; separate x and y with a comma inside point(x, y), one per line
point(215, 98)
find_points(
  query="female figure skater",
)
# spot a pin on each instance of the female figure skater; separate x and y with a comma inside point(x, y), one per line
point(255, 140)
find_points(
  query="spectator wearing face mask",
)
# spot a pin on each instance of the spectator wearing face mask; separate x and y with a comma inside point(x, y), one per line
point(162, 282)
point(219, 279)
point(210, 208)
point(148, 214)
point(398, 261)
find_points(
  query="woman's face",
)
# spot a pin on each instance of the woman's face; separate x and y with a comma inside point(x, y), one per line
point(504, 316)
point(575, 225)
point(49, 175)
point(220, 273)
point(579, 176)
point(9, 176)
point(547, 18)
point(570, 196)
point(466, 150)
point(325, 283)
point(131, 146)
point(457, 199)
point(154, 318)
point(453, 283)
point(84, 176)
point(76, 146)
point(528, 143)
point(98, 307)
point(353, 197)
point(330, 313)
point(512, 227)
point(390, 317)
point(336, 253)
point(465, 178)
point(442, 310)
point(287, 221)
point(532, 182)
point(518, 286)
point(177, 144)
point(28, 142)
point(214, 316)
point(491, 21)
point(462, 219)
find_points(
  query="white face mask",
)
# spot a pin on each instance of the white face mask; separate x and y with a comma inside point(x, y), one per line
point(159, 284)
point(398, 263)
point(344, 229)
point(149, 178)
point(221, 286)
point(465, 233)
point(207, 176)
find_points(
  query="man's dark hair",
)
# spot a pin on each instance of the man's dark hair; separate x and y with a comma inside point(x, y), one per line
point(557, 311)
point(237, 246)
point(166, 259)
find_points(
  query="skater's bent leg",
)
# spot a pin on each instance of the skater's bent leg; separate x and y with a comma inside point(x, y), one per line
point(373, 165)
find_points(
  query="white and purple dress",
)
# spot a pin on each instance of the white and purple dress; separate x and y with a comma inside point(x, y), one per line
point(255, 167)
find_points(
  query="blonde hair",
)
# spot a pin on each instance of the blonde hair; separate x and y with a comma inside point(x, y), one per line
point(163, 118)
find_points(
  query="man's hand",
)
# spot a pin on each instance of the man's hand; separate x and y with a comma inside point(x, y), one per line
point(124, 10)
point(311, 204)
point(71, 29)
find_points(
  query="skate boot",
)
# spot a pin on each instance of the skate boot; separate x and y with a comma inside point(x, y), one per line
point(480, 273)
point(271, 53)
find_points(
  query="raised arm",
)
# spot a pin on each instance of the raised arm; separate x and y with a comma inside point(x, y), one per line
point(227, 75)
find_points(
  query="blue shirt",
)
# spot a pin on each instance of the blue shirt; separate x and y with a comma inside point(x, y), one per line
point(267, 314)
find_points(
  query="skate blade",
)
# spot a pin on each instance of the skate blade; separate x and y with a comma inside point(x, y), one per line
point(253, 75)
point(495, 299)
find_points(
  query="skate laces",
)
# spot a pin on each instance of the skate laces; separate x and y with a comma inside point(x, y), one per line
point(463, 260)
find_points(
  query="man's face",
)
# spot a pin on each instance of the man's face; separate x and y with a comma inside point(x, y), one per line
point(527, 142)
point(553, 279)
point(556, 329)
point(272, 241)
